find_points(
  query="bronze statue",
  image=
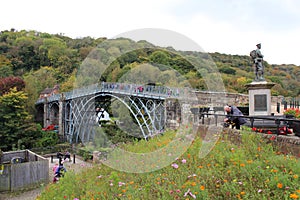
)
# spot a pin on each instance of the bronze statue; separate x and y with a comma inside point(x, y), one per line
point(257, 57)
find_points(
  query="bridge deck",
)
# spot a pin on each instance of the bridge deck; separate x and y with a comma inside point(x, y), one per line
point(146, 91)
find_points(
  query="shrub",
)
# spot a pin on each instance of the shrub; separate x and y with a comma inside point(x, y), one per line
point(228, 70)
point(293, 111)
point(49, 138)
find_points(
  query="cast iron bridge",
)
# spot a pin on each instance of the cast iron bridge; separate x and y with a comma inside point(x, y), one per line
point(78, 112)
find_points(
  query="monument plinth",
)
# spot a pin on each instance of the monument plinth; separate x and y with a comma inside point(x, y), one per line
point(259, 98)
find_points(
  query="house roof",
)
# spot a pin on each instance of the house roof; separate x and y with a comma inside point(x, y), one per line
point(47, 91)
point(50, 90)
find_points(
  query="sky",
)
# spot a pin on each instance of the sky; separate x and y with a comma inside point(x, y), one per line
point(224, 26)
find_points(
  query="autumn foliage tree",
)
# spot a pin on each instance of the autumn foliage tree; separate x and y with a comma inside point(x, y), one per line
point(10, 82)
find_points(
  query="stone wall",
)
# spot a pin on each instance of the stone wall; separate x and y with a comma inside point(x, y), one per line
point(286, 144)
point(215, 99)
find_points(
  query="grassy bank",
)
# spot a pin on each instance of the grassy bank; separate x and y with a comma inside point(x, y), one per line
point(250, 170)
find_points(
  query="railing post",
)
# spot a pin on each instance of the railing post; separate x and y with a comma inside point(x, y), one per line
point(216, 120)
point(285, 105)
point(252, 122)
point(277, 121)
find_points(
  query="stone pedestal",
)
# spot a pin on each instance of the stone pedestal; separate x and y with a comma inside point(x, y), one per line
point(259, 98)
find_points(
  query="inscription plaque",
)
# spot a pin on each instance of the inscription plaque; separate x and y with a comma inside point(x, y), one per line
point(260, 102)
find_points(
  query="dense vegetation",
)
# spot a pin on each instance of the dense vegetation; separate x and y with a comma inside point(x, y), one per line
point(252, 169)
point(43, 60)
point(31, 61)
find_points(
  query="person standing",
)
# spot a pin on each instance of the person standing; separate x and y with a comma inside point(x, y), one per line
point(233, 114)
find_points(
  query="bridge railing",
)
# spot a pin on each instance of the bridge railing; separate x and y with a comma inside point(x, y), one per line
point(153, 91)
point(144, 90)
point(84, 91)
point(51, 98)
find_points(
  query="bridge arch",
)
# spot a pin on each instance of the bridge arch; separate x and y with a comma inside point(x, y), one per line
point(148, 114)
point(40, 114)
point(53, 114)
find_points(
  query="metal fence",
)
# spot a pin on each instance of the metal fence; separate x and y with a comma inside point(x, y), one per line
point(22, 169)
point(267, 122)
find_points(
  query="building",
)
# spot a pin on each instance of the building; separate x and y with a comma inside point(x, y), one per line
point(49, 91)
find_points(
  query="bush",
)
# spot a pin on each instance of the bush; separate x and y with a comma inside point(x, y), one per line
point(293, 111)
point(228, 70)
point(49, 138)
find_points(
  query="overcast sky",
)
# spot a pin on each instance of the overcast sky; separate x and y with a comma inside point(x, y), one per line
point(225, 26)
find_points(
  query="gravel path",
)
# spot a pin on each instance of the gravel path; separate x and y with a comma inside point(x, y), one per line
point(32, 194)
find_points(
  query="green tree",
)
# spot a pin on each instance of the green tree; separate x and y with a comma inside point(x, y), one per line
point(5, 71)
point(54, 48)
point(68, 85)
point(27, 53)
point(89, 72)
point(49, 138)
point(5, 67)
point(159, 57)
point(37, 81)
point(16, 127)
point(240, 84)
point(228, 70)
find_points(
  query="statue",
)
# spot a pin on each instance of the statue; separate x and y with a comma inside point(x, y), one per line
point(257, 58)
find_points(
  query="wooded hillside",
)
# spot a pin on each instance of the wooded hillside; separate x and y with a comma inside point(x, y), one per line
point(43, 60)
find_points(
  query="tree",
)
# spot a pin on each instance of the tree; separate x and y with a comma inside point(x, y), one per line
point(54, 48)
point(160, 57)
point(240, 84)
point(5, 71)
point(68, 85)
point(16, 127)
point(89, 72)
point(27, 53)
point(9, 82)
point(228, 70)
point(37, 81)
point(5, 67)
point(128, 58)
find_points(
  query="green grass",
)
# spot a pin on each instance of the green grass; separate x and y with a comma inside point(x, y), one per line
point(251, 170)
